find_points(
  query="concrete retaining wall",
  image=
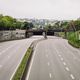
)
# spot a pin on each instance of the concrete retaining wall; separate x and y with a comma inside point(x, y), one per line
point(11, 35)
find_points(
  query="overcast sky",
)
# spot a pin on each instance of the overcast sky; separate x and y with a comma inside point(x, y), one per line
point(49, 9)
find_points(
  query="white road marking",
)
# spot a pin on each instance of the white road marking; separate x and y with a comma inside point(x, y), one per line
point(0, 53)
point(57, 51)
point(30, 66)
point(72, 76)
point(64, 63)
point(46, 55)
point(59, 55)
point(67, 69)
point(48, 63)
point(62, 59)
point(8, 56)
point(0, 66)
point(20, 62)
point(6, 49)
point(50, 75)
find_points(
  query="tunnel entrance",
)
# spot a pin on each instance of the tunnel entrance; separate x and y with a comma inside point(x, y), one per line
point(50, 33)
point(37, 33)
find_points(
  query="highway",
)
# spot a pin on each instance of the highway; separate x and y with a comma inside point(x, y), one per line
point(54, 59)
point(11, 54)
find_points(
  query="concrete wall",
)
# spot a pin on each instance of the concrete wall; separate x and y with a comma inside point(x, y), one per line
point(11, 35)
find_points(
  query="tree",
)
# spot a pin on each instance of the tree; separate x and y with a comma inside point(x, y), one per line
point(27, 25)
point(1, 16)
point(64, 25)
point(77, 24)
point(31, 25)
point(9, 23)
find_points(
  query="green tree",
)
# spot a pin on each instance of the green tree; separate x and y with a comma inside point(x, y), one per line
point(77, 24)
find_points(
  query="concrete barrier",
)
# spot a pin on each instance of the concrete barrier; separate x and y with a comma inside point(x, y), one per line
point(12, 34)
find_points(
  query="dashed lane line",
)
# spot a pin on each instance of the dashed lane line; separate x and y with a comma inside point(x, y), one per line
point(64, 63)
point(8, 56)
point(71, 75)
point(0, 66)
point(67, 69)
point(7, 49)
point(50, 75)
point(48, 63)
point(62, 59)
point(59, 55)
point(46, 55)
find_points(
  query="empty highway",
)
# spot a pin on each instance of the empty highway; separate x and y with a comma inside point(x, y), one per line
point(54, 59)
point(11, 54)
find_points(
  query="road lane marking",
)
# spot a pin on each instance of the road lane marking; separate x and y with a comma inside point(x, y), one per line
point(64, 63)
point(6, 49)
point(59, 55)
point(27, 78)
point(48, 63)
point(67, 69)
point(46, 55)
point(0, 53)
point(50, 75)
point(19, 64)
point(0, 66)
point(72, 76)
point(62, 59)
point(8, 56)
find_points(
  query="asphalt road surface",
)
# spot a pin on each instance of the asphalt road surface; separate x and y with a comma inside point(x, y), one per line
point(11, 54)
point(54, 59)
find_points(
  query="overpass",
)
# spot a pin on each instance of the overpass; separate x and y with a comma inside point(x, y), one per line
point(40, 31)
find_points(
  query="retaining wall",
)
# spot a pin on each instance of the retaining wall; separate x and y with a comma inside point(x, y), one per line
point(11, 35)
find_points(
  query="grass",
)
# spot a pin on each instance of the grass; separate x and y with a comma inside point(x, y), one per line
point(61, 34)
point(75, 44)
point(19, 73)
point(73, 38)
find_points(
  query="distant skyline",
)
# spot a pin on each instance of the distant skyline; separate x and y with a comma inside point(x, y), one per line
point(41, 9)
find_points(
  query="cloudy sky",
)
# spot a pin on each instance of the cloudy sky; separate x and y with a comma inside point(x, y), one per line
point(49, 9)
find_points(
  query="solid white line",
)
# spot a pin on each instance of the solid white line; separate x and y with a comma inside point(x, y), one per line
point(16, 68)
point(64, 63)
point(50, 75)
point(72, 76)
point(48, 63)
point(67, 69)
point(30, 66)
point(19, 63)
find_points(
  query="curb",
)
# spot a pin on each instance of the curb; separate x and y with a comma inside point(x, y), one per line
point(32, 46)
